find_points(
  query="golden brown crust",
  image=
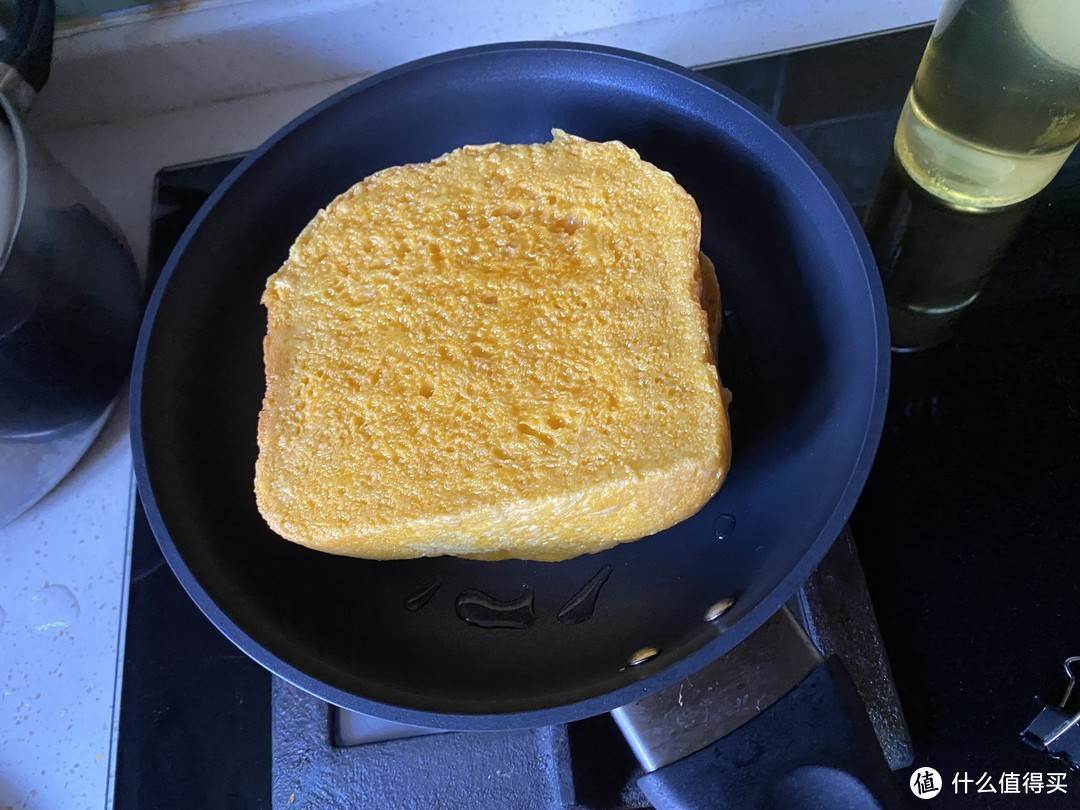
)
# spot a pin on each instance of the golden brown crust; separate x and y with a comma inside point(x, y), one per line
point(501, 353)
point(710, 300)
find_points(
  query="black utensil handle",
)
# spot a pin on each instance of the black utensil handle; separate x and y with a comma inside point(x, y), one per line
point(28, 45)
point(813, 748)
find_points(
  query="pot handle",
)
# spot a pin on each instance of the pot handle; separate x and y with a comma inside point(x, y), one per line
point(28, 45)
point(813, 749)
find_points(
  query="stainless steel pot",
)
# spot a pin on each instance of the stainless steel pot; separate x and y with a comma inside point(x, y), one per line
point(70, 293)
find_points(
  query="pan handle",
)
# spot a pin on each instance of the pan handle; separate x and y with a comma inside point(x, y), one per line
point(27, 49)
point(813, 749)
point(769, 724)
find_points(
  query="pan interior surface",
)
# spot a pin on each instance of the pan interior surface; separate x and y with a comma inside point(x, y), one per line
point(802, 352)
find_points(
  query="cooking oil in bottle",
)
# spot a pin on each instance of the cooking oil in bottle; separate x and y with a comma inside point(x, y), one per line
point(934, 257)
point(992, 115)
point(995, 107)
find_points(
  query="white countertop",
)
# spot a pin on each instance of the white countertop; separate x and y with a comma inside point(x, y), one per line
point(127, 100)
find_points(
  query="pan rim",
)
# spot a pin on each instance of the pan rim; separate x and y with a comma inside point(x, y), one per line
point(839, 211)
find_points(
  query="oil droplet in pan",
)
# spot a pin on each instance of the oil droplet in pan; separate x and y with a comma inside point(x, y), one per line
point(719, 608)
point(482, 610)
point(414, 601)
point(579, 607)
point(724, 526)
point(639, 657)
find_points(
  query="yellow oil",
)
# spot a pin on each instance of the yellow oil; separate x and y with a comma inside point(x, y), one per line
point(995, 107)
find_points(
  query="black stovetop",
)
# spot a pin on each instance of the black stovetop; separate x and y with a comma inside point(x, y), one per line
point(968, 528)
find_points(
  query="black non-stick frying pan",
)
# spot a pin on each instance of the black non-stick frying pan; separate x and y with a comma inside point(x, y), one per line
point(805, 353)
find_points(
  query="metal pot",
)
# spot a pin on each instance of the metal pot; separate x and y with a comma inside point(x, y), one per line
point(70, 293)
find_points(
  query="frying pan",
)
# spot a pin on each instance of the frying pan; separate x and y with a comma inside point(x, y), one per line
point(805, 352)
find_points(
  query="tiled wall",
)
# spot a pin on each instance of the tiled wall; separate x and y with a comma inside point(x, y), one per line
point(81, 9)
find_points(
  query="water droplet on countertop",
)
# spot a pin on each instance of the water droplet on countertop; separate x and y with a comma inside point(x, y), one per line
point(482, 610)
point(579, 607)
point(53, 607)
point(724, 526)
point(416, 600)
